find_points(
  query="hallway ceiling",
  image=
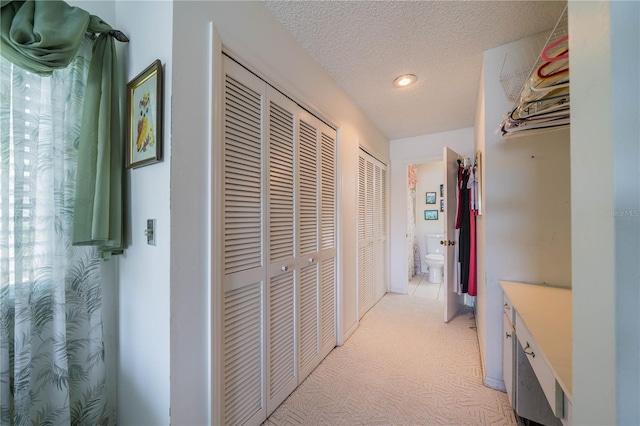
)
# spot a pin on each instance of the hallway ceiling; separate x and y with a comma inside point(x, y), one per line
point(365, 45)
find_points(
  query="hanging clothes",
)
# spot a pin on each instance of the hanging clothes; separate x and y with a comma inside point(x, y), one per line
point(465, 232)
point(465, 255)
point(457, 288)
point(472, 186)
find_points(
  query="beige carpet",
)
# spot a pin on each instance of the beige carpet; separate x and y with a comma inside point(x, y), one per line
point(402, 366)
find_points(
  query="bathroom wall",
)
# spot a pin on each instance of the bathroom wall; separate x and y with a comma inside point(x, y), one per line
point(430, 177)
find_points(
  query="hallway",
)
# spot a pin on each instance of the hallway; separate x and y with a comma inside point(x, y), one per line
point(402, 366)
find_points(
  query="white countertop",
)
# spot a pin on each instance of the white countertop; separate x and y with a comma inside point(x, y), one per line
point(547, 313)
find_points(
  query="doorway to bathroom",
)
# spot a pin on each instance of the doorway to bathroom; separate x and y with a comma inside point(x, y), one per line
point(425, 229)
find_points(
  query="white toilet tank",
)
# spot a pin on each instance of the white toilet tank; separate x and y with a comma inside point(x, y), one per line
point(433, 244)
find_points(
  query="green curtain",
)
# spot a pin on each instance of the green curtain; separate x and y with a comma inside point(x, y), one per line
point(41, 36)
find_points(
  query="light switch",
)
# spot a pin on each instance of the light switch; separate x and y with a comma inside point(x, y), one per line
point(150, 232)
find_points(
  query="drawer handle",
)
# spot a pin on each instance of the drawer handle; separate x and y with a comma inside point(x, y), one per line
point(507, 307)
point(507, 335)
point(533, 355)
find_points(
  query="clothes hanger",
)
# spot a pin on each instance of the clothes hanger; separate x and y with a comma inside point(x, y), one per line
point(545, 52)
point(558, 67)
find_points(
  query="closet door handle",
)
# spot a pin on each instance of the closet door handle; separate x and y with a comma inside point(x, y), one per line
point(507, 307)
point(452, 243)
point(533, 354)
point(507, 335)
point(285, 268)
point(311, 260)
point(442, 243)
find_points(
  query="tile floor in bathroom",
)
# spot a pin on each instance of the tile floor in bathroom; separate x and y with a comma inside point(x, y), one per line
point(419, 286)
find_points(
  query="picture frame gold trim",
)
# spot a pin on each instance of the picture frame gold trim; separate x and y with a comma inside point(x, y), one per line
point(144, 117)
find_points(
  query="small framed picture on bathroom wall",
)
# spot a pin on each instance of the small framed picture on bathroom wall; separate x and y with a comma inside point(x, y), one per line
point(442, 192)
point(431, 215)
point(431, 197)
point(441, 205)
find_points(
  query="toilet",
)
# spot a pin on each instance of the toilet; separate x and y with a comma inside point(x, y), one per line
point(435, 257)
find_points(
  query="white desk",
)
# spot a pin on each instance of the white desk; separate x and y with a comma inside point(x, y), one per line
point(543, 319)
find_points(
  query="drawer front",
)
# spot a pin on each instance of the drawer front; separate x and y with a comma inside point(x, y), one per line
point(508, 365)
point(507, 308)
point(543, 371)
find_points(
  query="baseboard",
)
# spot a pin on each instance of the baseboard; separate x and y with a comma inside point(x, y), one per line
point(349, 332)
point(398, 290)
point(497, 384)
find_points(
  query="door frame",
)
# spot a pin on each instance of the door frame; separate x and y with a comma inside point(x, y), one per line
point(403, 288)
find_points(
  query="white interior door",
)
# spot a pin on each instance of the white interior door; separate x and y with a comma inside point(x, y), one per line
point(452, 301)
point(243, 294)
point(309, 321)
point(278, 203)
point(282, 377)
point(372, 232)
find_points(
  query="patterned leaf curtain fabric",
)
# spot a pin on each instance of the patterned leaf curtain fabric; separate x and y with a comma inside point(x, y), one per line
point(413, 250)
point(52, 368)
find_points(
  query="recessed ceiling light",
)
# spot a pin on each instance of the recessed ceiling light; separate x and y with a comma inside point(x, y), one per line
point(405, 80)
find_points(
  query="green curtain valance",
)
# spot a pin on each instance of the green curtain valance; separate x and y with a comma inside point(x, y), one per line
point(42, 36)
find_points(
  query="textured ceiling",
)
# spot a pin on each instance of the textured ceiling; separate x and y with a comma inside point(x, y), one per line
point(365, 45)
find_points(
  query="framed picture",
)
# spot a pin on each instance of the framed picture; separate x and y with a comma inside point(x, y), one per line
point(441, 205)
point(431, 197)
point(144, 117)
point(431, 215)
point(442, 190)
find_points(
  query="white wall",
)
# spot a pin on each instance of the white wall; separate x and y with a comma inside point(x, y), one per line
point(257, 38)
point(414, 150)
point(525, 233)
point(605, 47)
point(430, 177)
point(143, 353)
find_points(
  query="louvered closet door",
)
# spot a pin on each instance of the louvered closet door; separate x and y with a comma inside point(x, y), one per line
point(381, 285)
point(279, 238)
point(372, 230)
point(282, 374)
point(369, 228)
point(362, 241)
point(317, 246)
point(379, 243)
point(328, 237)
point(243, 295)
point(308, 213)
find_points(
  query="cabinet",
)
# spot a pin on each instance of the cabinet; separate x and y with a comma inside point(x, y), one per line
point(537, 356)
point(278, 294)
point(508, 350)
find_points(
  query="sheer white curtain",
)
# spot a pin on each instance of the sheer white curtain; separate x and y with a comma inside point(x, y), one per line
point(52, 368)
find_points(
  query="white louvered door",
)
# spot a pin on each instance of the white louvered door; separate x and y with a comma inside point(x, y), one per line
point(243, 296)
point(372, 230)
point(362, 241)
point(282, 373)
point(278, 298)
point(309, 331)
point(381, 283)
point(328, 237)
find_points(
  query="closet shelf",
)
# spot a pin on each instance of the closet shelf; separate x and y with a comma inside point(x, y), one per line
point(518, 63)
point(536, 77)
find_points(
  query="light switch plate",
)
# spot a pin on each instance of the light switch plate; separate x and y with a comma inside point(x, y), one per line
point(150, 232)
